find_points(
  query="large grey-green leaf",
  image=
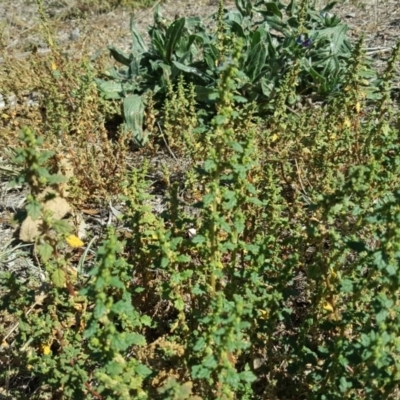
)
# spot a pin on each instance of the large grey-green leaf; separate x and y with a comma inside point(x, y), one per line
point(186, 48)
point(173, 35)
point(256, 60)
point(138, 45)
point(120, 56)
point(157, 15)
point(336, 37)
point(186, 68)
point(135, 67)
point(234, 16)
point(237, 29)
point(193, 23)
point(270, 9)
point(158, 42)
point(133, 112)
point(256, 37)
point(110, 89)
point(245, 7)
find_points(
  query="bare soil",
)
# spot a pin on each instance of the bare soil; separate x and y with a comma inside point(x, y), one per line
point(80, 29)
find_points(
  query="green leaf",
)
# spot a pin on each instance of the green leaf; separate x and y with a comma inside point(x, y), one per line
point(237, 29)
point(116, 282)
point(231, 199)
point(42, 171)
point(234, 16)
point(256, 37)
point(344, 385)
point(239, 225)
point(158, 43)
point(208, 198)
point(188, 69)
point(198, 239)
point(256, 61)
point(346, 286)
point(33, 209)
point(164, 262)
point(121, 306)
point(114, 368)
point(145, 320)
point(240, 99)
point(143, 370)
point(236, 146)
point(220, 119)
point(56, 74)
point(122, 341)
point(200, 345)
point(138, 44)
point(120, 56)
point(209, 165)
point(248, 377)
point(183, 258)
point(58, 278)
point(135, 67)
point(110, 89)
point(100, 308)
point(173, 35)
point(45, 155)
point(266, 87)
point(62, 226)
point(23, 326)
point(45, 251)
point(56, 179)
point(179, 304)
point(272, 9)
point(244, 6)
point(135, 339)
point(133, 112)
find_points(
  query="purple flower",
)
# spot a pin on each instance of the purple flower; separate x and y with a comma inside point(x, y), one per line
point(302, 41)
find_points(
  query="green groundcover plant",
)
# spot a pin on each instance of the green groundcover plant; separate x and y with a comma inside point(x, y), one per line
point(272, 271)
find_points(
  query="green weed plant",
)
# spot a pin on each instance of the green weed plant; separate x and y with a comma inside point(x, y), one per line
point(274, 37)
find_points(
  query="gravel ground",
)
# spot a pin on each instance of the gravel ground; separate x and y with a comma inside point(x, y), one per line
point(378, 20)
point(21, 30)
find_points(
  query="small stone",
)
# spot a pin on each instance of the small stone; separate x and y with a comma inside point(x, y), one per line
point(75, 34)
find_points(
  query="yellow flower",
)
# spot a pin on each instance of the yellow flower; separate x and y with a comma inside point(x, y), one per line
point(263, 314)
point(274, 137)
point(74, 241)
point(45, 349)
point(328, 307)
point(346, 123)
point(333, 273)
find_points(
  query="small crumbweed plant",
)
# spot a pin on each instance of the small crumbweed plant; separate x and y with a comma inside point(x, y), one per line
point(270, 267)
